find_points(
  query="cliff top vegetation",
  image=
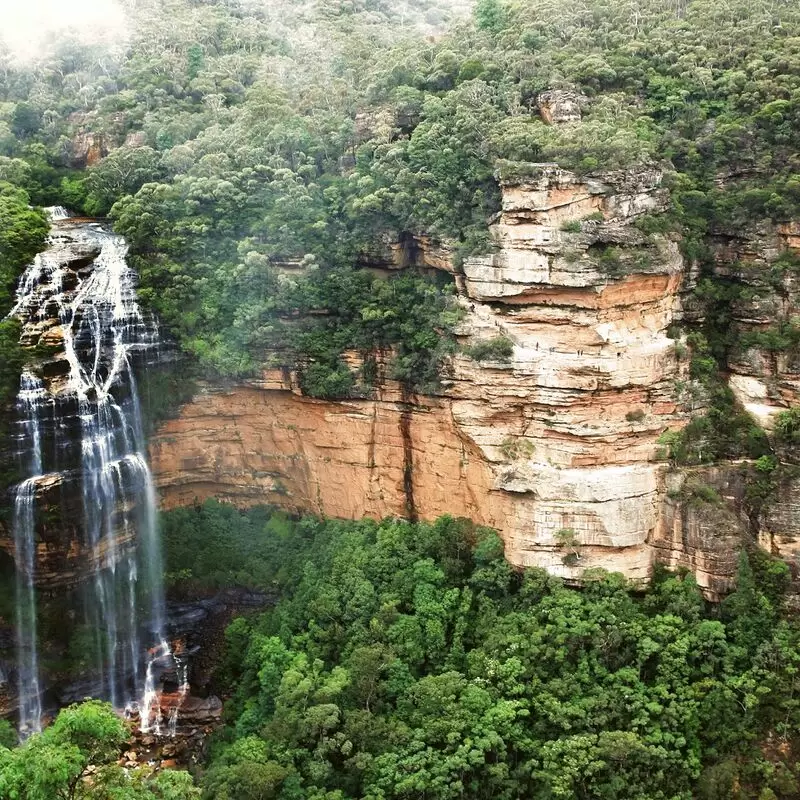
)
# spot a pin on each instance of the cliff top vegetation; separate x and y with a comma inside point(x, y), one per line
point(248, 136)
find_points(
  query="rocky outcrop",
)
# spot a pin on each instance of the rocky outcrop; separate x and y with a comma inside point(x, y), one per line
point(557, 106)
point(761, 264)
point(93, 139)
point(703, 524)
point(87, 148)
point(559, 443)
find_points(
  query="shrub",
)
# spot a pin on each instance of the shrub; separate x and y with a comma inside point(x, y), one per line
point(513, 448)
point(698, 493)
point(787, 426)
point(500, 348)
point(610, 262)
point(326, 380)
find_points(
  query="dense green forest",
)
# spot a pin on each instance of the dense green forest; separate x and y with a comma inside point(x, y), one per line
point(264, 143)
point(411, 660)
point(408, 660)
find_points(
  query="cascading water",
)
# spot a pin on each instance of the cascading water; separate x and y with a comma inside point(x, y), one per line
point(83, 286)
point(29, 400)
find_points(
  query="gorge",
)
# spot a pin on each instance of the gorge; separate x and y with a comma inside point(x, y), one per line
point(563, 435)
point(401, 400)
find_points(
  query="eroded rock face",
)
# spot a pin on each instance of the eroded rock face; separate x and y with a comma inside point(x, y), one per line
point(557, 106)
point(90, 142)
point(562, 437)
point(87, 148)
point(763, 261)
point(703, 524)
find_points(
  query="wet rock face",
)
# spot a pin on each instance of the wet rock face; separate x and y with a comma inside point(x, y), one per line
point(561, 437)
point(190, 712)
point(63, 556)
point(81, 528)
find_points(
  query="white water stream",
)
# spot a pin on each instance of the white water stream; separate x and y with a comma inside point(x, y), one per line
point(102, 328)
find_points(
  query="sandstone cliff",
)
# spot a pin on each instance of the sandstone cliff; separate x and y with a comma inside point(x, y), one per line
point(556, 448)
point(761, 264)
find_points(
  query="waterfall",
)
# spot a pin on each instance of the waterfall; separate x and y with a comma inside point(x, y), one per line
point(29, 399)
point(80, 430)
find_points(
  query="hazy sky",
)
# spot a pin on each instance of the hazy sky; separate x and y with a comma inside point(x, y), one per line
point(25, 23)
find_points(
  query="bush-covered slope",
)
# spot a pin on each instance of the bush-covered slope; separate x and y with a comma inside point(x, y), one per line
point(256, 134)
point(408, 660)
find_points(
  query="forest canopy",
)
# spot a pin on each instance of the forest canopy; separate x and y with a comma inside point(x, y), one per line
point(273, 165)
point(409, 659)
point(406, 659)
point(252, 146)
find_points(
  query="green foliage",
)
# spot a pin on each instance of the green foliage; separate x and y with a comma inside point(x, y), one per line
point(23, 231)
point(75, 759)
point(499, 348)
point(568, 541)
point(407, 658)
point(8, 736)
point(244, 151)
point(610, 262)
point(215, 546)
point(514, 447)
point(787, 426)
point(762, 481)
point(490, 15)
point(726, 430)
point(26, 120)
point(123, 172)
point(696, 492)
point(406, 320)
point(12, 360)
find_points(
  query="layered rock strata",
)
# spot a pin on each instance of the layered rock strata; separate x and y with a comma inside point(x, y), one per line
point(556, 447)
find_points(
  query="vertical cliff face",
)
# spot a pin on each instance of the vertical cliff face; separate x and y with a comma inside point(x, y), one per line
point(555, 447)
point(761, 265)
point(570, 425)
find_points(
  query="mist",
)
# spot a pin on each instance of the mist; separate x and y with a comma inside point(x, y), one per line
point(29, 28)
